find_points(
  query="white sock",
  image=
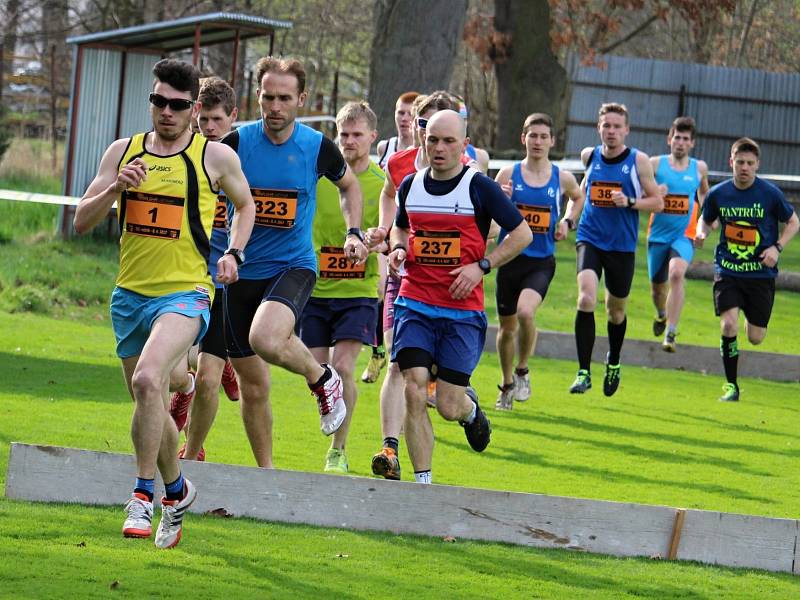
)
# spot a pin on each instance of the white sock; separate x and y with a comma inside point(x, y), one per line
point(472, 415)
point(191, 387)
point(422, 476)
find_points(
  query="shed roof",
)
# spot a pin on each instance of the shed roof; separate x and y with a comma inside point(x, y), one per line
point(169, 36)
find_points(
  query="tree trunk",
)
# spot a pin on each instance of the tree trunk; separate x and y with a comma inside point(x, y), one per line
point(413, 48)
point(530, 79)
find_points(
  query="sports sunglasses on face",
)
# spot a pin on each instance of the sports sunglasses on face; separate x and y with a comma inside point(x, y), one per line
point(176, 104)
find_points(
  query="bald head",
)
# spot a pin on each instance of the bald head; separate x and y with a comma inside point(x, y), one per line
point(448, 123)
point(445, 141)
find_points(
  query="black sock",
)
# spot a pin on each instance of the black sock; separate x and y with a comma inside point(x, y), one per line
point(393, 443)
point(729, 350)
point(584, 338)
point(616, 335)
point(521, 372)
point(325, 376)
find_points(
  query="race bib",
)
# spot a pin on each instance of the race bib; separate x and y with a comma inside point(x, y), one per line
point(676, 204)
point(537, 217)
point(275, 208)
point(600, 193)
point(153, 215)
point(221, 213)
point(437, 248)
point(333, 264)
point(741, 235)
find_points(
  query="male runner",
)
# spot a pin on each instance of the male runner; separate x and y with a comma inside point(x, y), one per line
point(618, 184)
point(165, 183)
point(343, 309)
point(535, 187)
point(283, 160)
point(746, 258)
point(440, 231)
point(670, 233)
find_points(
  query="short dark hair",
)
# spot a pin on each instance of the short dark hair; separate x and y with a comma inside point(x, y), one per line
point(283, 66)
point(613, 107)
point(181, 75)
point(683, 124)
point(217, 92)
point(537, 119)
point(745, 144)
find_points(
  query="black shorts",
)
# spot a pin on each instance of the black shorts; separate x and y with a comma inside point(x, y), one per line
point(522, 273)
point(755, 296)
point(214, 340)
point(618, 267)
point(242, 299)
point(408, 358)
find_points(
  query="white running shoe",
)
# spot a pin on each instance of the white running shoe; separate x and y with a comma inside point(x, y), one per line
point(138, 524)
point(172, 511)
point(522, 387)
point(330, 402)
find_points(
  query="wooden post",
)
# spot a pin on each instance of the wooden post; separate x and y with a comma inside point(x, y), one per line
point(675, 538)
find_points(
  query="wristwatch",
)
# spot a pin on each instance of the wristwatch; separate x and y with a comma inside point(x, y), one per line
point(631, 201)
point(570, 223)
point(356, 232)
point(779, 247)
point(485, 265)
point(236, 254)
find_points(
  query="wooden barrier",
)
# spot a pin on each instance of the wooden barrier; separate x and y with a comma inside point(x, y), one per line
point(55, 474)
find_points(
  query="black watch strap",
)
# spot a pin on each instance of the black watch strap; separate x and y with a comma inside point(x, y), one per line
point(485, 265)
point(779, 246)
point(237, 254)
point(356, 232)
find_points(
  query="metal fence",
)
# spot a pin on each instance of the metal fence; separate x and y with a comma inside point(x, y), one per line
point(727, 104)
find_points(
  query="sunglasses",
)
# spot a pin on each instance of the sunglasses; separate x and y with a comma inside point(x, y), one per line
point(176, 104)
point(422, 123)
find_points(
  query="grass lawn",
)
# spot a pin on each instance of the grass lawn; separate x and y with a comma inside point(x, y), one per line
point(663, 439)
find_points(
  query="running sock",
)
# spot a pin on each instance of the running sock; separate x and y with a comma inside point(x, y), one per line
point(146, 487)
point(584, 338)
point(472, 414)
point(325, 376)
point(191, 387)
point(422, 476)
point(672, 329)
point(662, 314)
point(393, 443)
point(616, 335)
point(175, 489)
point(521, 372)
point(729, 350)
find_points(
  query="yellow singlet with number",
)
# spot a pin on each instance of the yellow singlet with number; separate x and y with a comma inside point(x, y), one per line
point(165, 223)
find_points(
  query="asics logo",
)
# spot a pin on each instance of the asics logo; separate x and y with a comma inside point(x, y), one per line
point(161, 168)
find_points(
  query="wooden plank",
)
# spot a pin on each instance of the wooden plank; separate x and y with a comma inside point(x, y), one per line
point(53, 474)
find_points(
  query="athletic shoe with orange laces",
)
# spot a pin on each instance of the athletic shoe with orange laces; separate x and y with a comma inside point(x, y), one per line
point(386, 464)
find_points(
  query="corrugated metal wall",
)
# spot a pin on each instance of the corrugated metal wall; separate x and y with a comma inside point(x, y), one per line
point(726, 103)
point(138, 84)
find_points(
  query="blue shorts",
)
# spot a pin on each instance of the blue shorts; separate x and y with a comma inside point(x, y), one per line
point(660, 253)
point(326, 321)
point(133, 315)
point(453, 344)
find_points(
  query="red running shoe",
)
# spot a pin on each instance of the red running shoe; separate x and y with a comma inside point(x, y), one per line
point(229, 382)
point(201, 456)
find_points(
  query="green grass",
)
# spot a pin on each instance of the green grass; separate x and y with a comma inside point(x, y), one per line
point(663, 439)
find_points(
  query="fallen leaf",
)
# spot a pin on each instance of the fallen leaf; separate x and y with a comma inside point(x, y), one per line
point(655, 556)
point(219, 512)
point(114, 584)
point(342, 556)
point(448, 538)
point(81, 544)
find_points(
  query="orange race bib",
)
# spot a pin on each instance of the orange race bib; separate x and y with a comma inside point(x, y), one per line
point(600, 193)
point(221, 213)
point(741, 235)
point(676, 204)
point(275, 208)
point(153, 215)
point(437, 248)
point(333, 264)
point(537, 217)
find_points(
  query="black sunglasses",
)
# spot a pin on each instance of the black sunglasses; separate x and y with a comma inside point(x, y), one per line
point(422, 123)
point(176, 104)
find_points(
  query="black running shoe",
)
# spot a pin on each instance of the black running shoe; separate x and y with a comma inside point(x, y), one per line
point(659, 325)
point(611, 380)
point(582, 383)
point(480, 430)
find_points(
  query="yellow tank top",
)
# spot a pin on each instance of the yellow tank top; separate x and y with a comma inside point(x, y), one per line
point(165, 223)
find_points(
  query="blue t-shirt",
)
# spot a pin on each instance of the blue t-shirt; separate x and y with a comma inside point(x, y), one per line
point(679, 205)
point(283, 181)
point(748, 225)
point(540, 207)
point(604, 225)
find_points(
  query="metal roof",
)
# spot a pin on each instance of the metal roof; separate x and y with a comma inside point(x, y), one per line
point(215, 28)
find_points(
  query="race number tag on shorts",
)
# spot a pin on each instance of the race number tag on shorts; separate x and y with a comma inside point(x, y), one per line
point(676, 204)
point(537, 217)
point(221, 213)
point(275, 208)
point(333, 264)
point(741, 235)
point(153, 215)
point(600, 193)
point(437, 248)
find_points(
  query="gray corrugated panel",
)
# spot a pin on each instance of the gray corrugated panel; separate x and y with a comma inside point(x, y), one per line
point(97, 113)
point(138, 84)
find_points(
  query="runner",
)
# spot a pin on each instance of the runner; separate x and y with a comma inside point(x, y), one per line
point(618, 184)
point(165, 183)
point(535, 187)
point(746, 258)
point(684, 181)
